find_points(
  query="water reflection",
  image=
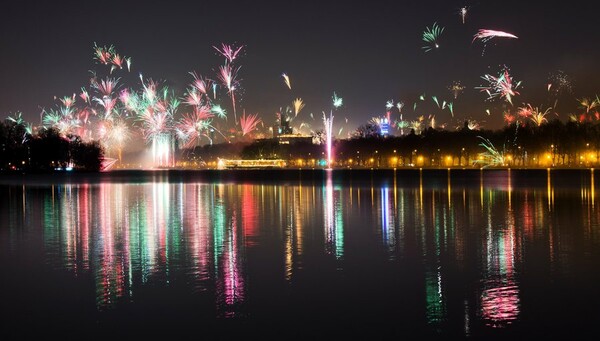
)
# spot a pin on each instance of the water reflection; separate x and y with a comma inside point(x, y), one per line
point(334, 224)
point(467, 240)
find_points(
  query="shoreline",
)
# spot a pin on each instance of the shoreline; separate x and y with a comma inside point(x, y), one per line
point(287, 169)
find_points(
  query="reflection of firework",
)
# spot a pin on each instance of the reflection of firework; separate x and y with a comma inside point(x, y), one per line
point(328, 122)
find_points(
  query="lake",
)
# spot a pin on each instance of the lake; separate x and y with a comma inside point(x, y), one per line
point(301, 253)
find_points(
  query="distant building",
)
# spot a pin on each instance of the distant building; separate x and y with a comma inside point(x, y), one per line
point(283, 128)
point(384, 127)
point(294, 139)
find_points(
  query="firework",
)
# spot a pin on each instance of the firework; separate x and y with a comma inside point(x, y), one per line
point(400, 105)
point(559, 82)
point(103, 54)
point(337, 101)
point(456, 89)
point(201, 85)
point(416, 126)
point(473, 125)
point(491, 156)
point(17, 119)
point(193, 126)
point(509, 118)
point(463, 13)
point(228, 51)
point(389, 104)
point(588, 104)
point(431, 37)
point(116, 133)
point(298, 105)
point(486, 35)
point(249, 123)
point(108, 55)
point(435, 99)
point(536, 115)
point(84, 95)
point(402, 124)
point(502, 86)
point(286, 79)
point(217, 110)
point(227, 75)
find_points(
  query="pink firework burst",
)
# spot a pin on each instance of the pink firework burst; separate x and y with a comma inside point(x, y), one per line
point(502, 86)
point(249, 123)
point(485, 35)
point(228, 51)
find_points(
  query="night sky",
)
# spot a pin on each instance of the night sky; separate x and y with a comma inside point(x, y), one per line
point(367, 53)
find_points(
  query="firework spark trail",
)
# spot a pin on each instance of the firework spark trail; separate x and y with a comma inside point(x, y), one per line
point(501, 86)
point(249, 123)
point(286, 79)
point(328, 122)
point(431, 36)
point(227, 75)
point(486, 35)
point(463, 13)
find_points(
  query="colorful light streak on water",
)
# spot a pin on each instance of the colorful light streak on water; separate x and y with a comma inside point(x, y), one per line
point(130, 238)
point(334, 224)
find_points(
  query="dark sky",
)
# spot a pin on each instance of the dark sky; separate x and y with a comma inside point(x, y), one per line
point(368, 52)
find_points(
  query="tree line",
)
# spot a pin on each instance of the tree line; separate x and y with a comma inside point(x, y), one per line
point(45, 150)
point(552, 144)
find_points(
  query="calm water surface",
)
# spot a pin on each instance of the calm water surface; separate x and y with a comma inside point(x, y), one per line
point(301, 254)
